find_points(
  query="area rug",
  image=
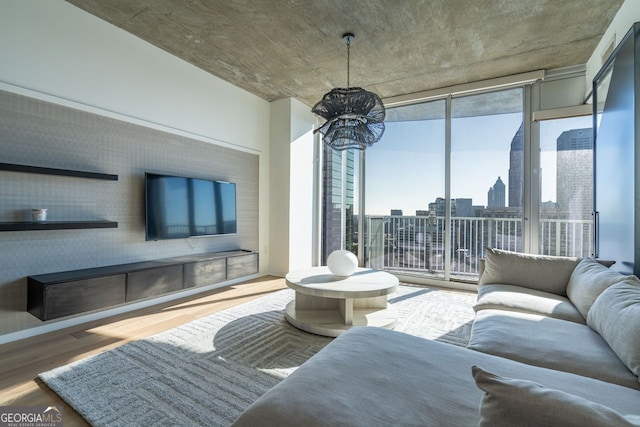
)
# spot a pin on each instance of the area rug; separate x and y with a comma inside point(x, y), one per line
point(208, 371)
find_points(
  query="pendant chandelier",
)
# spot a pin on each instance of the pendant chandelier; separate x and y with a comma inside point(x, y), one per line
point(354, 117)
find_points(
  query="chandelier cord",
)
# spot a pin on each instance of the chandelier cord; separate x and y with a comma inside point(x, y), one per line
point(348, 57)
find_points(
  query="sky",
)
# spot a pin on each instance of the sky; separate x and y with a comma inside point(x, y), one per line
point(405, 169)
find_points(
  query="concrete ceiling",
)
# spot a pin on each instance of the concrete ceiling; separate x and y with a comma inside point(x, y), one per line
point(293, 48)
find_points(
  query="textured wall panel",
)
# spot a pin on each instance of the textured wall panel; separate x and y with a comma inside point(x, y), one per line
point(38, 133)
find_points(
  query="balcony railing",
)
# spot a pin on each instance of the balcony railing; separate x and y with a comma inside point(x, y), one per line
point(416, 245)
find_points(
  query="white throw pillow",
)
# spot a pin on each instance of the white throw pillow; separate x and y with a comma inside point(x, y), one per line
point(542, 272)
point(588, 280)
point(616, 317)
point(513, 402)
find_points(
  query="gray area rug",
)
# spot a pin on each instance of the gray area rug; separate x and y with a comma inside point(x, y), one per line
point(208, 371)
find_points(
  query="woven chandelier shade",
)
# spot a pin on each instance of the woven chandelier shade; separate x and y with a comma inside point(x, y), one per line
point(354, 117)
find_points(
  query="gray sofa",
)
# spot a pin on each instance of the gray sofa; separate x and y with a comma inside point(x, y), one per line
point(556, 341)
point(547, 311)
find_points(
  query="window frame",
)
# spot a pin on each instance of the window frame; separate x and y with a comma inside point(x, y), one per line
point(531, 156)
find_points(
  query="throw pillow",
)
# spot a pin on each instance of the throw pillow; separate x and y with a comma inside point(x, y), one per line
point(588, 280)
point(541, 272)
point(615, 315)
point(513, 402)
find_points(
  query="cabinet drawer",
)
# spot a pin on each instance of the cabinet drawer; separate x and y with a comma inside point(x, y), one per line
point(63, 299)
point(205, 273)
point(242, 265)
point(59, 294)
point(153, 282)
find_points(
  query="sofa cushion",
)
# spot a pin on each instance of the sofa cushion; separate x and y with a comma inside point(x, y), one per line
point(513, 402)
point(541, 272)
point(588, 280)
point(549, 343)
point(526, 300)
point(376, 377)
point(616, 316)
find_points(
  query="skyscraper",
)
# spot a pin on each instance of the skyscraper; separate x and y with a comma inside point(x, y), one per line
point(516, 157)
point(574, 173)
point(464, 207)
point(496, 195)
point(438, 206)
point(334, 172)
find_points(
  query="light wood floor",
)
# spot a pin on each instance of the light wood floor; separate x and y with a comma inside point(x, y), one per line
point(22, 361)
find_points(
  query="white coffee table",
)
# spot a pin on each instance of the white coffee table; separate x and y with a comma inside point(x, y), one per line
point(329, 305)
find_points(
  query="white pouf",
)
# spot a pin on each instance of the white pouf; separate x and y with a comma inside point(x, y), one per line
point(342, 263)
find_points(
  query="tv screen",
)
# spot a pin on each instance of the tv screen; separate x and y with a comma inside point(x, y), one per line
point(179, 207)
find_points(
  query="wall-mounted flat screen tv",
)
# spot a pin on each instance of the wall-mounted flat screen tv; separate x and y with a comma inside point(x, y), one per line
point(180, 207)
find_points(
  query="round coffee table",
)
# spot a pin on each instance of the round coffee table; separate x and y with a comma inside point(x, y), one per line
point(329, 305)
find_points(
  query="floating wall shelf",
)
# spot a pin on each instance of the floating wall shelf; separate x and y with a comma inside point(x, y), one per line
point(52, 171)
point(55, 225)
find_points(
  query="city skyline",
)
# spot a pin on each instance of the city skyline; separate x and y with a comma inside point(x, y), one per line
point(413, 152)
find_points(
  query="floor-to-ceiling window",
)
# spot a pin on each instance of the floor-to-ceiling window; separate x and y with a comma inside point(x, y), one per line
point(487, 154)
point(405, 183)
point(455, 175)
point(435, 200)
point(566, 187)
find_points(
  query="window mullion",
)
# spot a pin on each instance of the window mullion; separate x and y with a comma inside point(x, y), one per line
point(343, 199)
point(447, 191)
point(532, 175)
point(361, 220)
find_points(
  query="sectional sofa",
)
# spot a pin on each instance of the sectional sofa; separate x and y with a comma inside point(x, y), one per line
point(556, 341)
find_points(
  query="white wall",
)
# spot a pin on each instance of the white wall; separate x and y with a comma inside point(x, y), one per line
point(301, 183)
point(292, 186)
point(279, 197)
point(54, 51)
point(628, 14)
point(52, 47)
